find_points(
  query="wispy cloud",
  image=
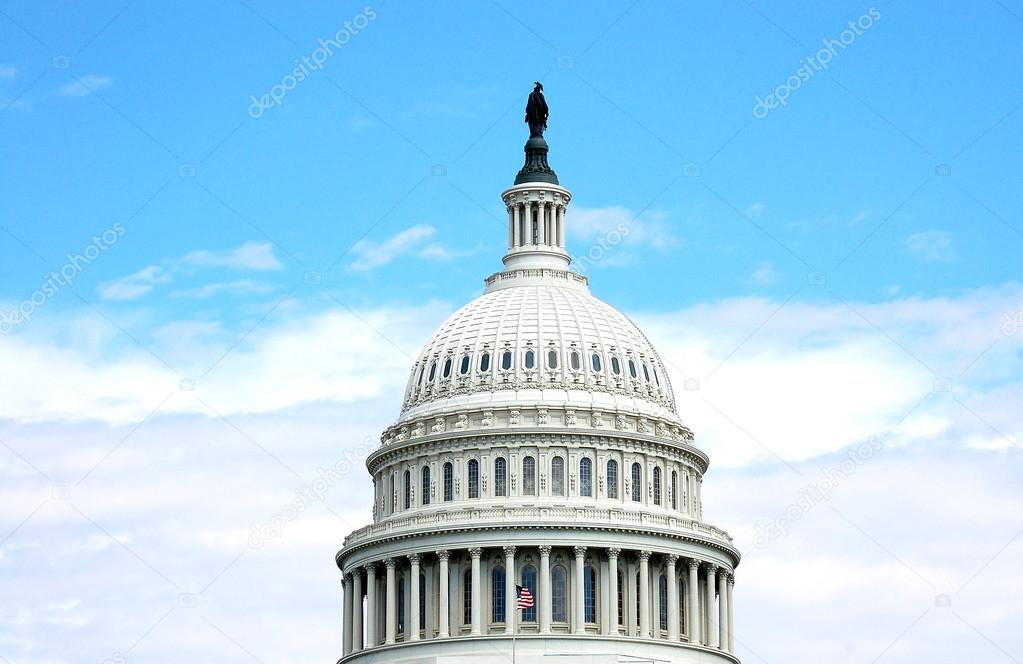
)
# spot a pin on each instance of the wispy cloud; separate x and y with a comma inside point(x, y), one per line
point(251, 257)
point(8, 72)
point(237, 287)
point(135, 285)
point(412, 241)
point(931, 246)
point(649, 228)
point(765, 274)
point(86, 85)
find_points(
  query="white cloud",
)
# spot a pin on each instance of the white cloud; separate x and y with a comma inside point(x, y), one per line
point(251, 256)
point(86, 85)
point(135, 285)
point(597, 225)
point(370, 255)
point(765, 274)
point(933, 246)
point(255, 256)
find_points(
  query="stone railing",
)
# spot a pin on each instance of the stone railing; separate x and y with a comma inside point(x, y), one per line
point(566, 276)
point(548, 516)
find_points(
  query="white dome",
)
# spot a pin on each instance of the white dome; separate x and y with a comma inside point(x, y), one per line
point(541, 339)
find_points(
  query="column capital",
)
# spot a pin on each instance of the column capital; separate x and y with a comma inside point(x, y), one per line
point(643, 556)
point(731, 578)
point(389, 563)
point(694, 564)
point(443, 555)
point(711, 568)
point(545, 550)
point(476, 553)
point(613, 552)
point(579, 551)
point(509, 551)
point(414, 558)
point(672, 558)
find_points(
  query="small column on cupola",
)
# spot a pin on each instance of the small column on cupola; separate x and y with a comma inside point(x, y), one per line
point(537, 203)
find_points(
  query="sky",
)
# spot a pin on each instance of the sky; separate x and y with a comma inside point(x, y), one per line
point(226, 229)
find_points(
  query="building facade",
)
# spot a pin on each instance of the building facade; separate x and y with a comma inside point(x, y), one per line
point(538, 446)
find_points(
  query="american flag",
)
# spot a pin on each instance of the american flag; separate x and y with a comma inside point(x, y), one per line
point(524, 598)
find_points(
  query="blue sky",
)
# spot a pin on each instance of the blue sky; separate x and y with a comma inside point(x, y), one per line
point(843, 269)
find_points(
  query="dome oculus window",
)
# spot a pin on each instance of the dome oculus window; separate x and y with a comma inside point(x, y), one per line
point(485, 362)
point(422, 370)
point(464, 368)
point(616, 366)
point(530, 359)
point(595, 363)
point(433, 371)
point(506, 360)
point(574, 361)
point(632, 368)
point(552, 359)
point(447, 369)
point(646, 373)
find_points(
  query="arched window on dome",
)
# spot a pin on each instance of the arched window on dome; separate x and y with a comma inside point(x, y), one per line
point(506, 360)
point(595, 363)
point(500, 476)
point(449, 482)
point(467, 597)
point(637, 483)
point(552, 359)
point(574, 361)
point(497, 595)
point(612, 478)
point(424, 497)
point(657, 379)
point(433, 371)
point(408, 489)
point(422, 370)
point(646, 373)
point(447, 368)
point(529, 476)
point(529, 581)
point(474, 478)
point(662, 602)
point(466, 363)
point(589, 594)
point(529, 360)
point(558, 476)
point(586, 477)
point(616, 365)
point(674, 490)
point(657, 485)
point(485, 362)
point(632, 368)
point(559, 594)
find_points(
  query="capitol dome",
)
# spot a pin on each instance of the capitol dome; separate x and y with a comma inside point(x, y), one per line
point(538, 497)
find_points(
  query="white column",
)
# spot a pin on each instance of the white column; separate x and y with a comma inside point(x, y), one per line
point(672, 599)
point(580, 614)
point(357, 610)
point(346, 619)
point(412, 629)
point(731, 620)
point(723, 609)
point(544, 591)
point(612, 595)
point(541, 222)
point(390, 604)
point(644, 594)
point(693, 610)
point(509, 590)
point(561, 226)
point(511, 226)
point(516, 225)
point(712, 635)
point(527, 224)
point(371, 606)
point(443, 595)
point(475, 554)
